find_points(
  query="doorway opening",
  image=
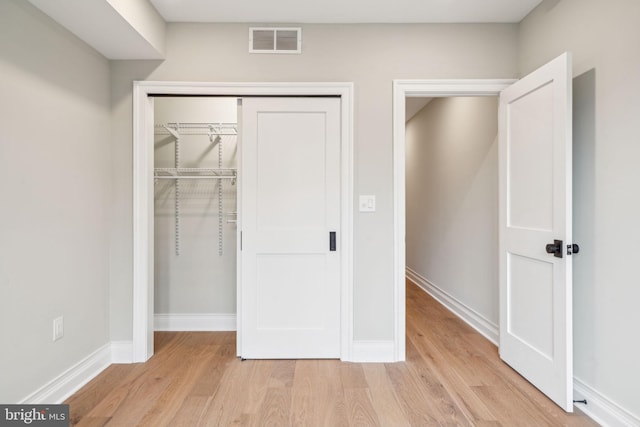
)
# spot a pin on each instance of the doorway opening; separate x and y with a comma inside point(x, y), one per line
point(452, 205)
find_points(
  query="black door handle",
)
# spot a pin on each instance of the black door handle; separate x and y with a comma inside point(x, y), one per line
point(555, 248)
point(332, 241)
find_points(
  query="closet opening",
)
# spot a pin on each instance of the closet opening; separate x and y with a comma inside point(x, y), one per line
point(194, 213)
point(145, 96)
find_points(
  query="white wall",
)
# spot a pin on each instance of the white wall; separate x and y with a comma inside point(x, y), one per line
point(452, 199)
point(371, 56)
point(55, 199)
point(603, 37)
point(198, 280)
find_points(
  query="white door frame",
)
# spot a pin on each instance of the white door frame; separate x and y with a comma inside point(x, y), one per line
point(143, 91)
point(403, 89)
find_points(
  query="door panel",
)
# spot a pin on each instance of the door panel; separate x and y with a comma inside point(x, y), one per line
point(531, 288)
point(531, 121)
point(290, 178)
point(535, 209)
point(305, 313)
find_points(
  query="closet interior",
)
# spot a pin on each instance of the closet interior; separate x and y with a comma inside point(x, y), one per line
point(195, 210)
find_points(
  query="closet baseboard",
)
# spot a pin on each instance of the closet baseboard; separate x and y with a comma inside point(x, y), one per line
point(194, 322)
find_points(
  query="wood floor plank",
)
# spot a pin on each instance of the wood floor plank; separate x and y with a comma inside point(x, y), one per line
point(458, 386)
point(83, 401)
point(91, 422)
point(190, 412)
point(225, 406)
point(452, 377)
point(415, 403)
point(182, 379)
point(449, 411)
point(383, 397)
point(304, 396)
point(209, 379)
point(513, 412)
point(259, 380)
point(283, 373)
point(332, 407)
point(276, 408)
point(139, 402)
point(116, 396)
point(360, 408)
point(352, 376)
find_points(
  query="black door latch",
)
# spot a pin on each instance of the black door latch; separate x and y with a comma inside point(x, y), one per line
point(555, 248)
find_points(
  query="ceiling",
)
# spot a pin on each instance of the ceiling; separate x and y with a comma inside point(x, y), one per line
point(135, 29)
point(345, 11)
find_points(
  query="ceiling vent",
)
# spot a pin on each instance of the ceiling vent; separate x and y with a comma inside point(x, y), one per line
point(275, 40)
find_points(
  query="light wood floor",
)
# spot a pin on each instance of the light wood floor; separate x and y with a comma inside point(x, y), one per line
point(452, 377)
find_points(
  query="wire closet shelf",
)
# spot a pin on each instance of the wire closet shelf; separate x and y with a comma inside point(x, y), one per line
point(214, 131)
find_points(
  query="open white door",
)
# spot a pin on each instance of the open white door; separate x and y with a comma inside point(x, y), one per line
point(535, 218)
point(290, 275)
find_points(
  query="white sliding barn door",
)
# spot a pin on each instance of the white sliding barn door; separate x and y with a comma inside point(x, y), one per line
point(289, 298)
point(535, 211)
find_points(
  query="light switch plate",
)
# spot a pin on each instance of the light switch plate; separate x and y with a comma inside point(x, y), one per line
point(58, 328)
point(367, 203)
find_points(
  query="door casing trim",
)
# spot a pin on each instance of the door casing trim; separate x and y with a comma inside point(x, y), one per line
point(143, 91)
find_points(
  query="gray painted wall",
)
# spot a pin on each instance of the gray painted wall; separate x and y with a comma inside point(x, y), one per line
point(603, 37)
point(55, 192)
point(198, 280)
point(371, 56)
point(452, 199)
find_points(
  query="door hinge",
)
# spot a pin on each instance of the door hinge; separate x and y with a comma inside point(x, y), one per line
point(241, 240)
point(573, 249)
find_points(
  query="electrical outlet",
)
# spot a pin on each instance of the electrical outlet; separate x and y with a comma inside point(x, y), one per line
point(58, 328)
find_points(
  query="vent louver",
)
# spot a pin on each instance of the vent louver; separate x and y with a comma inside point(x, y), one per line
point(275, 40)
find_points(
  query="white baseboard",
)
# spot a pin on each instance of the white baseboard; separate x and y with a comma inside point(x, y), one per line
point(70, 381)
point(373, 352)
point(602, 409)
point(195, 322)
point(484, 326)
point(122, 352)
